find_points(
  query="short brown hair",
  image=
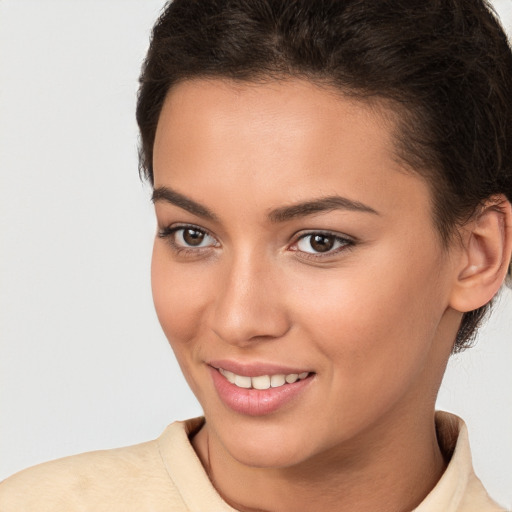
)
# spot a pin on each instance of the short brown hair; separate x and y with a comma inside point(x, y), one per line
point(444, 65)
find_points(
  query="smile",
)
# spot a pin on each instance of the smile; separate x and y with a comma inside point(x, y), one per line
point(259, 389)
point(262, 382)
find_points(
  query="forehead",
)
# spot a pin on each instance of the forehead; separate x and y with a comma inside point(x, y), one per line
point(279, 141)
point(290, 108)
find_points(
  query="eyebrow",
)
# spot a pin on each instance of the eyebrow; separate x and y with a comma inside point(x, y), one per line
point(323, 204)
point(177, 199)
point(282, 214)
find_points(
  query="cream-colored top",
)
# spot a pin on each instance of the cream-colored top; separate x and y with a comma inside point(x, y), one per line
point(165, 475)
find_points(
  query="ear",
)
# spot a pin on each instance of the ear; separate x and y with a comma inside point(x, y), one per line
point(485, 256)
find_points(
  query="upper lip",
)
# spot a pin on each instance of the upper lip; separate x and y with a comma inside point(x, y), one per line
point(256, 368)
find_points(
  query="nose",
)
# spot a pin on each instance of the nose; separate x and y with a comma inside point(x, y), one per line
point(250, 305)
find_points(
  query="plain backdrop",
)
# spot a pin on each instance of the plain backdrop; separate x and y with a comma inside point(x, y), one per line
point(83, 364)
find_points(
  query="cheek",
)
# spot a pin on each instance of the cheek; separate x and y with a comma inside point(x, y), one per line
point(179, 295)
point(375, 328)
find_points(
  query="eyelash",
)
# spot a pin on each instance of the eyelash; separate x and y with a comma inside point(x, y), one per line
point(345, 244)
point(168, 233)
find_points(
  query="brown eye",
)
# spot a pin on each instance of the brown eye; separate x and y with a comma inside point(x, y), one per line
point(322, 243)
point(190, 237)
point(193, 237)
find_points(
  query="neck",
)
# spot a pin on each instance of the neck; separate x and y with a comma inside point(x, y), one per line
point(391, 468)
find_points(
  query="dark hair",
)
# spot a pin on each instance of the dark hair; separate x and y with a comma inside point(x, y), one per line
point(443, 66)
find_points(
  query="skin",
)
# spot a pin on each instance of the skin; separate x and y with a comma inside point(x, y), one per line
point(372, 320)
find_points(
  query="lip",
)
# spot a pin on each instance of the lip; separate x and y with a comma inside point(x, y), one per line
point(255, 369)
point(255, 402)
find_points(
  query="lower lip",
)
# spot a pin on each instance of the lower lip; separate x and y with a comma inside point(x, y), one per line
point(256, 402)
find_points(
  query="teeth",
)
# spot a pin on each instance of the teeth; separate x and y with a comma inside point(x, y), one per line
point(277, 380)
point(230, 376)
point(242, 381)
point(292, 378)
point(262, 381)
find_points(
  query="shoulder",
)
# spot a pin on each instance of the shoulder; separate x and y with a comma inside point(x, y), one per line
point(130, 478)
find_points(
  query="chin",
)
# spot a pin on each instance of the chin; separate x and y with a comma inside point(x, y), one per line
point(267, 457)
point(266, 446)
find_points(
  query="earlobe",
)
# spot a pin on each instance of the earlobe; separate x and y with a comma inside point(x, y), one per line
point(485, 257)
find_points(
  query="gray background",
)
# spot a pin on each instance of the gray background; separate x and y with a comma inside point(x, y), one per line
point(83, 364)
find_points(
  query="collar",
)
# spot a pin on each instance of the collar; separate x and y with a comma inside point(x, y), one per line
point(458, 490)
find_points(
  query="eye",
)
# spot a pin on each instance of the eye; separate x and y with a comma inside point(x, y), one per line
point(192, 237)
point(322, 243)
point(187, 238)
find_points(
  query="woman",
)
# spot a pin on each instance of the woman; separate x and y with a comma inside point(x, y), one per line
point(332, 186)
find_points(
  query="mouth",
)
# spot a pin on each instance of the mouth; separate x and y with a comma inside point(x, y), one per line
point(259, 390)
point(262, 382)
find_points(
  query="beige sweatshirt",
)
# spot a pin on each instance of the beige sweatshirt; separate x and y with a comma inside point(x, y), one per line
point(166, 475)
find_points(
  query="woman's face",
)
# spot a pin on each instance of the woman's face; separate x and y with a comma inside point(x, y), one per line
point(291, 242)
